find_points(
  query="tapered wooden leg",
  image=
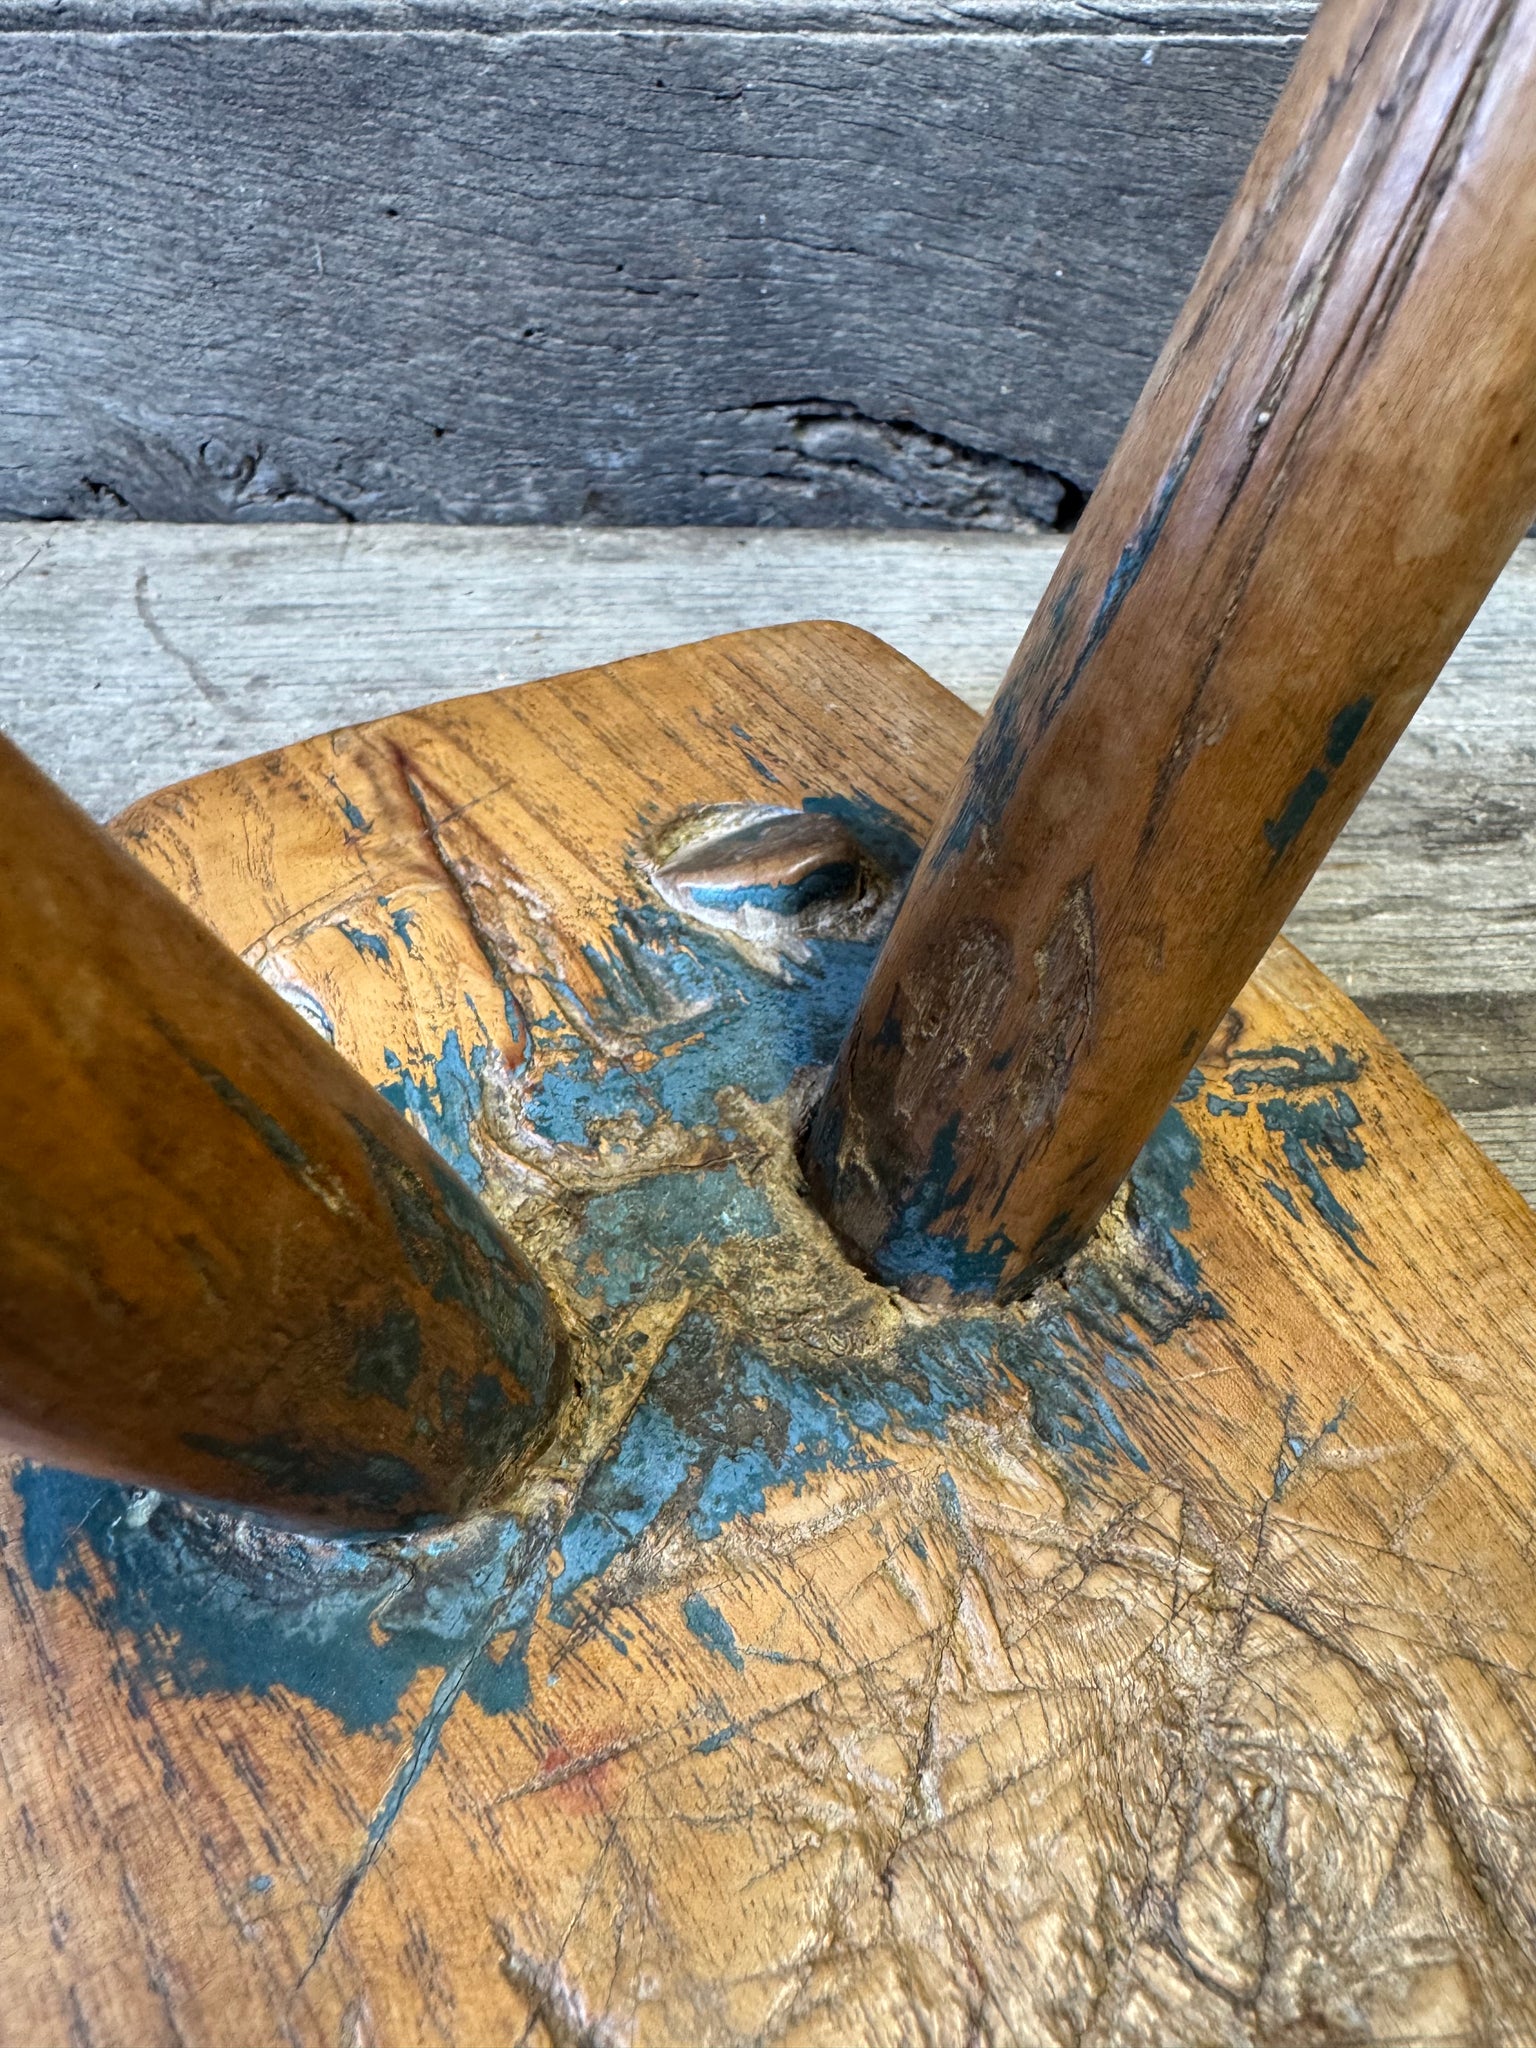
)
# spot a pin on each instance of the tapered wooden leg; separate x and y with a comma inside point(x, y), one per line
point(1330, 464)
point(1147, 1664)
point(226, 1267)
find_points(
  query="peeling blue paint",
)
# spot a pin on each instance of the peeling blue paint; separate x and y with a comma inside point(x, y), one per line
point(348, 1626)
point(883, 834)
point(446, 1107)
point(949, 1499)
point(630, 1486)
point(1296, 1445)
point(1312, 1135)
point(1346, 729)
point(675, 1219)
point(720, 1427)
point(784, 899)
point(699, 1020)
point(1038, 689)
point(758, 767)
point(914, 1247)
point(1290, 1068)
point(1303, 800)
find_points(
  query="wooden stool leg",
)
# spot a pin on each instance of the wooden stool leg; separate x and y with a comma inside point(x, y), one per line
point(228, 1268)
point(1331, 462)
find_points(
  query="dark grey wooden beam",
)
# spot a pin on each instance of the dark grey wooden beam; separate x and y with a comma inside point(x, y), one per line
point(735, 261)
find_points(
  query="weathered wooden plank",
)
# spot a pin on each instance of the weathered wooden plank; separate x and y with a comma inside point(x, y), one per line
point(133, 657)
point(892, 266)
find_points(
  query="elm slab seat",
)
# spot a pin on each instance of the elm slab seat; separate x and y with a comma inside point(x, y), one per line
point(1150, 1656)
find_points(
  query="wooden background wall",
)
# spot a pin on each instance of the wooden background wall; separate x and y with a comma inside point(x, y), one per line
point(794, 262)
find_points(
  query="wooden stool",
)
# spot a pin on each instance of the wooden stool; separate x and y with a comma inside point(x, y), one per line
point(597, 1531)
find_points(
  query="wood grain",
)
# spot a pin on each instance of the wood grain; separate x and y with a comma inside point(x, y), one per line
point(1206, 690)
point(500, 260)
point(227, 1267)
point(135, 655)
point(1152, 1665)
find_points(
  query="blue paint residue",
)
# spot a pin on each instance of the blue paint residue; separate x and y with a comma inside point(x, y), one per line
point(759, 767)
point(348, 1626)
point(698, 1020)
point(1296, 1445)
point(675, 1219)
point(403, 923)
point(914, 1247)
point(1037, 690)
point(1307, 1105)
point(705, 1620)
point(446, 1105)
point(1346, 729)
point(1290, 1068)
point(783, 899)
point(878, 830)
point(621, 1499)
point(1303, 800)
point(720, 1427)
point(369, 944)
point(693, 1017)
point(1299, 806)
point(1323, 1132)
point(348, 809)
point(679, 1017)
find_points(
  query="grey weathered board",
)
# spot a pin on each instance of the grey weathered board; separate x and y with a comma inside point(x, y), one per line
point(132, 656)
point(788, 262)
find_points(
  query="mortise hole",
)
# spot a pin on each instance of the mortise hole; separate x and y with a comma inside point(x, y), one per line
point(769, 875)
